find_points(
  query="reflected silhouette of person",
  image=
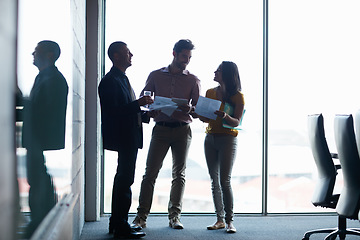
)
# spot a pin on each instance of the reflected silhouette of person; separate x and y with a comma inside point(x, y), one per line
point(43, 129)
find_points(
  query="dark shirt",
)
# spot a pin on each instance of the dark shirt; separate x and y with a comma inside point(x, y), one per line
point(45, 111)
point(119, 112)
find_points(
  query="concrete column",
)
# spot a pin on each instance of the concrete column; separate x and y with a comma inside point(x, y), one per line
point(92, 110)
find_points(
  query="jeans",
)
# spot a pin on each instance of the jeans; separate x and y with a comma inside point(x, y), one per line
point(220, 152)
point(163, 138)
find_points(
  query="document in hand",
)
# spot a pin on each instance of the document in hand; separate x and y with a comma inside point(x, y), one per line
point(167, 105)
point(230, 111)
point(206, 107)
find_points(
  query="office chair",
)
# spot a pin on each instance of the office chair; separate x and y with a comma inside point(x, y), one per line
point(349, 201)
point(323, 194)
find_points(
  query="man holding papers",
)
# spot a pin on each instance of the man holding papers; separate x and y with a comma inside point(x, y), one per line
point(175, 90)
point(221, 143)
point(121, 125)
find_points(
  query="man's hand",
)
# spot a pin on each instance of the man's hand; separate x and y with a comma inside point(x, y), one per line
point(153, 113)
point(186, 108)
point(145, 100)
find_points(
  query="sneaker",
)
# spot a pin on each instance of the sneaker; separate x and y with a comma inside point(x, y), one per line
point(230, 228)
point(175, 223)
point(217, 225)
point(139, 222)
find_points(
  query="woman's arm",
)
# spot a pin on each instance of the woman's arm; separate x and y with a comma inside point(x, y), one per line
point(233, 121)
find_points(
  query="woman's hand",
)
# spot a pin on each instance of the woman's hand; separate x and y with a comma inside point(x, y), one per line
point(221, 114)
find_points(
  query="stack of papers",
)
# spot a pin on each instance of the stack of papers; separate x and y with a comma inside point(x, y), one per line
point(206, 107)
point(167, 105)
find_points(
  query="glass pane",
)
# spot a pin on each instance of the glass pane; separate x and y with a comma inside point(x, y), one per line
point(43, 20)
point(223, 30)
point(313, 68)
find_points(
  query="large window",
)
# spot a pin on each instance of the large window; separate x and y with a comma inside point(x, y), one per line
point(312, 68)
point(221, 30)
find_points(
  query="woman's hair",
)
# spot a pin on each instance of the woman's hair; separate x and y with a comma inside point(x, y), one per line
point(231, 79)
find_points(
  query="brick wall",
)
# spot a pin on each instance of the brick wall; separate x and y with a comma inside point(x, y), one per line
point(78, 21)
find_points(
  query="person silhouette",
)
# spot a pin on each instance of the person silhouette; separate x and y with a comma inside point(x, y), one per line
point(221, 143)
point(121, 125)
point(174, 132)
point(43, 129)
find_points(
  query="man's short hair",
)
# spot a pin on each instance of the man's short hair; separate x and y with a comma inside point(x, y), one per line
point(183, 44)
point(113, 48)
point(51, 47)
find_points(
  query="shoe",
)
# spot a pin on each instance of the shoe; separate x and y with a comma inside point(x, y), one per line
point(136, 228)
point(175, 223)
point(230, 228)
point(133, 227)
point(217, 225)
point(130, 235)
point(138, 222)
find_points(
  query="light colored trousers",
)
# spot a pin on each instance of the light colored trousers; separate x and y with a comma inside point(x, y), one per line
point(163, 138)
point(220, 152)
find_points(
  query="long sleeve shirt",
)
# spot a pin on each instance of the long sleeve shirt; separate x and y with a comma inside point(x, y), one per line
point(165, 84)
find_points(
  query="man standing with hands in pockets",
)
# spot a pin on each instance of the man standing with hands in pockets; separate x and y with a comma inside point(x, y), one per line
point(121, 119)
point(172, 132)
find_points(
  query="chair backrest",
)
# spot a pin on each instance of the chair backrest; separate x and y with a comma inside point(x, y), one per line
point(323, 160)
point(357, 129)
point(348, 204)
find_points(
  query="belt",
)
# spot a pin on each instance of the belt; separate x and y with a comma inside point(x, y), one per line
point(172, 124)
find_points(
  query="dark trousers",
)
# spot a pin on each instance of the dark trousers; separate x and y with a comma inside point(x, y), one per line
point(121, 195)
point(42, 195)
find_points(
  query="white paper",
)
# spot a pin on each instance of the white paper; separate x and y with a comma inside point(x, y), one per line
point(167, 105)
point(206, 107)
